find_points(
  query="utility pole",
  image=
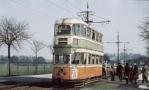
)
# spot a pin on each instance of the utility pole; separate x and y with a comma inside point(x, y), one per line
point(125, 53)
point(118, 46)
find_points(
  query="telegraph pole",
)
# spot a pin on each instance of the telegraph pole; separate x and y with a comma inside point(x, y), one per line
point(118, 46)
point(125, 50)
point(125, 53)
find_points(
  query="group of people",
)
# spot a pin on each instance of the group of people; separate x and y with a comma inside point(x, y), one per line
point(129, 73)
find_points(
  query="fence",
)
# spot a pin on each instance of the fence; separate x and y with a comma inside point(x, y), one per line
point(24, 68)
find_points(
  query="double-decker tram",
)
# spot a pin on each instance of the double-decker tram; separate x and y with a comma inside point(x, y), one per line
point(78, 51)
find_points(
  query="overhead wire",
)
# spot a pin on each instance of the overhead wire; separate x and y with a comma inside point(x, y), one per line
point(59, 6)
point(73, 5)
point(101, 18)
point(35, 10)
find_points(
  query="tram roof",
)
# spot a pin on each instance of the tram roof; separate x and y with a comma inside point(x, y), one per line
point(72, 21)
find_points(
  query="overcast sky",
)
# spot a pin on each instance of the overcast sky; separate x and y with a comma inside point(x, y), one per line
point(125, 16)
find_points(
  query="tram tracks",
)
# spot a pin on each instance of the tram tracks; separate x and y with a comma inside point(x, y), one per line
point(43, 85)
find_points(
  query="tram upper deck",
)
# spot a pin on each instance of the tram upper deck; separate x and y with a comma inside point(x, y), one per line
point(69, 31)
point(73, 35)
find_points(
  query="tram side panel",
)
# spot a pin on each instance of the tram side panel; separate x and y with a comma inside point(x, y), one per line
point(85, 72)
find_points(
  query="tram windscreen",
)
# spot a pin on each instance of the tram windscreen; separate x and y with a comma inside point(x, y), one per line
point(62, 29)
point(62, 59)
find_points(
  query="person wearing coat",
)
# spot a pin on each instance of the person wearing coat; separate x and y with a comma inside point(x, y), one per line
point(112, 73)
point(127, 73)
point(135, 74)
point(144, 74)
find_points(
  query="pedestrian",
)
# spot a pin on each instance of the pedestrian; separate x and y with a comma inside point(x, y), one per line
point(104, 71)
point(144, 74)
point(112, 73)
point(119, 71)
point(127, 72)
point(131, 73)
point(135, 76)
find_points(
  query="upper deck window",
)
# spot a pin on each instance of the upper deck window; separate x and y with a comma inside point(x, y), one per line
point(97, 36)
point(100, 38)
point(62, 29)
point(88, 32)
point(83, 30)
point(76, 29)
point(93, 35)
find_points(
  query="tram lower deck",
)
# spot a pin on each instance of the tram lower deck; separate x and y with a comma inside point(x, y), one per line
point(67, 73)
point(78, 51)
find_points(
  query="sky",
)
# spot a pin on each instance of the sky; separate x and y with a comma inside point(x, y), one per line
point(125, 17)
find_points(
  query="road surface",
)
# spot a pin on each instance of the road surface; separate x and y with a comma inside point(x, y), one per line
point(43, 82)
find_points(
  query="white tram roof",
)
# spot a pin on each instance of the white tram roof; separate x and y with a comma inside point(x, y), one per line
point(69, 21)
point(72, 21)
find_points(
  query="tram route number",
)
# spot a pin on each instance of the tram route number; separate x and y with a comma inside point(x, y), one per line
point(74, 74)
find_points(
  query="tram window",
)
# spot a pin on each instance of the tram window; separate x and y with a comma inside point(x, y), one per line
point(76, 29)
point(100, 38)
point(84, 61)
point(63, 29)
point(62, 43)
point(89, 59)
point(62, 59)
point(75, 58)
point(66, 59)
point(93, 59)
point(97, 36)
point(88, 32)
point(85, 58)
point(93, 35)
point(73, 30)
point(83, 30)
point(101, 58)
point(81, 58)
point(97, 59)
point(56, 59)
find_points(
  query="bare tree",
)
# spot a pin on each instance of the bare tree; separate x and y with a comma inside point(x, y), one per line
point(145, 29)
point(51, 48)
point(145, 32)
point(36, 47)
point(12, 34)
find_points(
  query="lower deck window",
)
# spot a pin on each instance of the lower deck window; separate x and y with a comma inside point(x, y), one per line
point(78, 58)
point(62, 59)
